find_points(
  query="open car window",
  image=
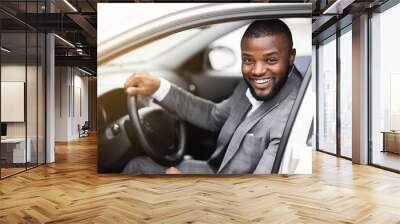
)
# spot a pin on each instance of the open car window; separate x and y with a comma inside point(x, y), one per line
point(159, 46)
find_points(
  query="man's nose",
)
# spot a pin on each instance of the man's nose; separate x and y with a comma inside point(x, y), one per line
point(258, 69)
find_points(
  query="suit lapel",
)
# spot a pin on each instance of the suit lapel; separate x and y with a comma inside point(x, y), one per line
point(239, 109)
point(242, 106)
point(240, 132)
point(243, 129)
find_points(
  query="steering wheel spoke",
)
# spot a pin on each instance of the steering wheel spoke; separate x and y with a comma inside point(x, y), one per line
point(161, 134)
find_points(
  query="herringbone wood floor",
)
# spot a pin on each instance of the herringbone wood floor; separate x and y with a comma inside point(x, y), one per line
point(71, 191)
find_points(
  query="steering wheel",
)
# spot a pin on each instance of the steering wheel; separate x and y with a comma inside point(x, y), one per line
point(161, 134)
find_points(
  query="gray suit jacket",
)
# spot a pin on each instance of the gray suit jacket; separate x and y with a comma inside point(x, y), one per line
point(245, 145)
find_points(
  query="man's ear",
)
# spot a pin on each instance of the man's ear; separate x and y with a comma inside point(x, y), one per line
point(292, 56)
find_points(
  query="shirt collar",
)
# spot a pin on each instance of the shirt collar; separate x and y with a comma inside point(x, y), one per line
point(254, 103)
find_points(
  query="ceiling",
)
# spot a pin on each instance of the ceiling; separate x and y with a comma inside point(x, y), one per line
point(76, 22)
point(329, 16)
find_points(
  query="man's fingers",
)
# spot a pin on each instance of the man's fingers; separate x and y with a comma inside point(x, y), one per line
point(133, 91)
point(141, 83)
point(134, 80)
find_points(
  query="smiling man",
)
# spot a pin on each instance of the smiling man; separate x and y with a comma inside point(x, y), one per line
point(250, 122)
point(266, 59)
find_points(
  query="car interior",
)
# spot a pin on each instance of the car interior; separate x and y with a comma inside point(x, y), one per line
point(119, 138)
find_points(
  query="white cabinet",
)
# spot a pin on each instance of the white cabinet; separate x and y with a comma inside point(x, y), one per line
point(16, 148)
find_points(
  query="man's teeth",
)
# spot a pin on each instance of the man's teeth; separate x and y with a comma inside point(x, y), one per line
point(262, 81)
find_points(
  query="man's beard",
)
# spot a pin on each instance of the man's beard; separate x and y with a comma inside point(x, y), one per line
point(275, 89)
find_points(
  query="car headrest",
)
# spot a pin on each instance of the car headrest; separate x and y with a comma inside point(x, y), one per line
point(302, 63)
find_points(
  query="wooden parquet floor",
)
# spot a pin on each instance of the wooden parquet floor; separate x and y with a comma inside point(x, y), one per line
point(71, 191)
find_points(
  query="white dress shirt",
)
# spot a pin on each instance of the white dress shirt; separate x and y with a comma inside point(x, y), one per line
point(166, 85)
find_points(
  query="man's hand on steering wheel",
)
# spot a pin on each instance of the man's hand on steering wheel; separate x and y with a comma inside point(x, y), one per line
point(142, 83)
point(162, 135)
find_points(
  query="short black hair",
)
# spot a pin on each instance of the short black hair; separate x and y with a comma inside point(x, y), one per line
point(269, 27)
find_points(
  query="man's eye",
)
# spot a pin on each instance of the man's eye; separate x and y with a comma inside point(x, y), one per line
point(247, 60)
point(271, 60)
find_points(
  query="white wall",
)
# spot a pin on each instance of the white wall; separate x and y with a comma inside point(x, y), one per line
point(79, 117)
point(12, 73)
point(61, 103)
point(33, 126)
point(71, 93)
